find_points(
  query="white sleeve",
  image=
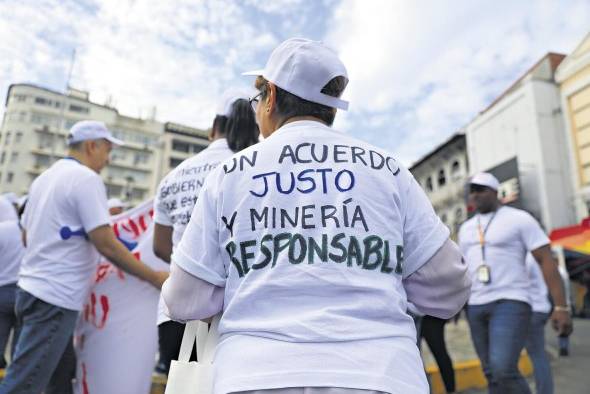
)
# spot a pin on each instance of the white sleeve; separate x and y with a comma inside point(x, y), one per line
point(441, 287)
point(198, 252)
point(187, 297)
point(423, 232)
point(161, 213)
point(90, 199)
point(531, 233)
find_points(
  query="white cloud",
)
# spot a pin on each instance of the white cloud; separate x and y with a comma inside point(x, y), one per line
point(432, 67)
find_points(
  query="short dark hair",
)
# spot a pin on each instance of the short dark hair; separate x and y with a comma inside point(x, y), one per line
point(239, 128)
point(290, 105)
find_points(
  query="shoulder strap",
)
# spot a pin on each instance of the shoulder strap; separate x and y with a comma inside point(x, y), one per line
point(188, 340)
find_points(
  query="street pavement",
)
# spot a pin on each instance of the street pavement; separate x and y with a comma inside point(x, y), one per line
point(571, 374)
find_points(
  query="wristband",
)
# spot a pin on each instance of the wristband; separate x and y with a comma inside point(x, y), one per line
point(559, 308)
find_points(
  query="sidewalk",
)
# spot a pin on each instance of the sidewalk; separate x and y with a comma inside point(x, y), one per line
point(571, 374)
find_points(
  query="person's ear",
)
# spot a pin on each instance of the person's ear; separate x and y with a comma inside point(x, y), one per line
point(271, 98)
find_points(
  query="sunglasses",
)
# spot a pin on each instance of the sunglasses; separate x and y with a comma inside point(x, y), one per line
point(477, 188)
point(254, 101)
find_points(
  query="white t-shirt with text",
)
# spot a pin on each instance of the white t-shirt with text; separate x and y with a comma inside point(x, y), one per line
point(311, 232)
point(11, 251)
point(508, 238)
point(65, 203)
point(178, 192)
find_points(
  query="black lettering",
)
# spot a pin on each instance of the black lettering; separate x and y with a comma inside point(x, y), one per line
point(354, 252)
point(254, 215)
point(227, 169)
point(399, 252)
point(358, 155)
point(358, 216)
point(393, 167)
point(245, 254)
point(324, 153)
point(350, 184)
point(287, 152)
point(338, 151)
point(305, 216)
point(285, 215)
point(280, 189)
point(324, 182)
point(265, 251)
point(251, 162)
point(374, 166)
point(278, 248)
point(329, 215)
point(299, 159)
point(231, 249)
point(263, 176)
point(302, 178)
point(385, 268)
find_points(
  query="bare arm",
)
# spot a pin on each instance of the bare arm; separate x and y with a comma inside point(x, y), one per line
point(163, 241)
point(107, 244)
point(560, 318)
point(441, 287)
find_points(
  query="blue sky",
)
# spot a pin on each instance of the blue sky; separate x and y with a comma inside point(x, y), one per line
point(419, 70)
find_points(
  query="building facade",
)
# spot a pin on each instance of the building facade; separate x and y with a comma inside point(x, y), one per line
point(33, 135)
point(442, 173)
point(573, 75)
point(180, 142)
point(521, 135)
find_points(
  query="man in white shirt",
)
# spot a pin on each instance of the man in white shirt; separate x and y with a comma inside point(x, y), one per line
point(312, 243)
point(65, 227)
point(7, 209)
point(11, 254)
point(234, 128)
point(495, 243)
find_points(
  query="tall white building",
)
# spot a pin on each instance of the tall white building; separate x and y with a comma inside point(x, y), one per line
point(520, 137)
point(442, 173)
point(36, 122)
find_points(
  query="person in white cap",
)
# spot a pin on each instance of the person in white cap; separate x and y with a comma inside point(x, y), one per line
point(115, 206)
point(311, 243)
point(234, 128)
point(11, 254)
point(495, 243)
point(65, 226)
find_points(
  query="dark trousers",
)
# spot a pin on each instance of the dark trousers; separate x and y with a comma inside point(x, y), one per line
point(7, 319)
point(499, 331)
point(169, 340)
point(44, 358)
point(432, 329)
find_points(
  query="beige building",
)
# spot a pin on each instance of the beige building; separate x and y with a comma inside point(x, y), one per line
point(178, 144)
point(442, 173)
point(35, 124)
point(573, 75)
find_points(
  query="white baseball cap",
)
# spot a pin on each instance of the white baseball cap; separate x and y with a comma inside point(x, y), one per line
point(91, 130)
point(115, 203)
point(228, 98)
point(485, 179)
point(303, 67)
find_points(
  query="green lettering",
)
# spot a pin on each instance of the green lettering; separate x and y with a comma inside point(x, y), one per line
point(302, 249)
point(373, 245)
point(385, 268)
point(278, 248)
point(265, 251)
point(321, 251)
point(338, 245)
point(354, 252)
point(245, 254)
point(231, 249)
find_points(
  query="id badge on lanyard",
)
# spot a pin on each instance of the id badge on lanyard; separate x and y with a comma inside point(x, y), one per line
point(484, 273)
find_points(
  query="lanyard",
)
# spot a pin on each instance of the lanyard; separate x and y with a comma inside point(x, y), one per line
point(482, 233)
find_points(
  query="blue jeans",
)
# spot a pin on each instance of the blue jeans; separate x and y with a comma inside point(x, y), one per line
point(535, 346)
point(499, 331)
point(7, 318)
point(44, 358)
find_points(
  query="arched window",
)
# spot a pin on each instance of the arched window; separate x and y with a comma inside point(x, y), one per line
point(442, 178)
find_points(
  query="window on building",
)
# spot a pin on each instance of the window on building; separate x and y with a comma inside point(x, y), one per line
point(18, 137)
point(45, 140)
point(174, 162)
point(455, 167)
point(442, 178)
point(19, 97)
point(43, 101)
point(140, 158)
point(45, 120)
point(196, 148)
point(41, 161)
point(22, 116)
point(2, 157)
point(180, 146)
point(79, 109)
point(9, 177)
point(14, 157)
point(137, 194)
point(7, 138)
point(114, 190)
point(443, 218)
point(428, 184)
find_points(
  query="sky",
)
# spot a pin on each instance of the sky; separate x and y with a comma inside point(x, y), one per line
point(419, 70)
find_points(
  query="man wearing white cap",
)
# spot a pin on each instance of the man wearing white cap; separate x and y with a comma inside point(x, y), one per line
point(495, 243)
point(65, 227)
point(116, 206)
point(311, 243)
point(234, 128)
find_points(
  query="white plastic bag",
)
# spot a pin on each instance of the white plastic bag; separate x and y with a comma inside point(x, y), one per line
point(194, 377)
